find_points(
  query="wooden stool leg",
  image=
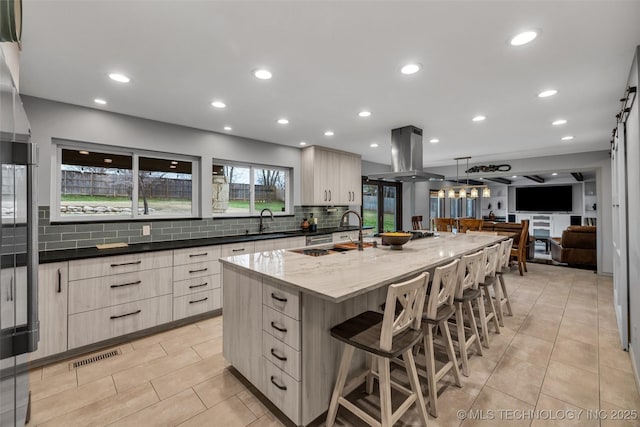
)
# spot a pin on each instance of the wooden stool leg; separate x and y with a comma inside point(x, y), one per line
point(347, 354)
point(492, 308)
point(371, 366)
point(483, 321)
point(446, 333)
point(384, 372)
point(505, 295)
point(462, 339)
point(430, 365)
point(474, 326)
point(498, 297)
point(415, 385)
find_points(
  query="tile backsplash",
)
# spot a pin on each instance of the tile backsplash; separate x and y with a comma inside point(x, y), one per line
point(69, 236)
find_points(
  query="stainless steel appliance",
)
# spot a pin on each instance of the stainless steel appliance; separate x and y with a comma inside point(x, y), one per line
point(18, 253)
point(319, 239)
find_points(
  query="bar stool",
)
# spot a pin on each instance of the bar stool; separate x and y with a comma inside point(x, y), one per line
point(466, 292)
point(384, 337)
point(487, 278)
point(503, 263)
point(439, 308)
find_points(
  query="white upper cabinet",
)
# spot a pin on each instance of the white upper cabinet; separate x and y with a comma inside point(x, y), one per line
point(330, 177)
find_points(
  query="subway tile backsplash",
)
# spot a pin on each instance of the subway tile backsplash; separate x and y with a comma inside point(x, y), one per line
point(69, 236)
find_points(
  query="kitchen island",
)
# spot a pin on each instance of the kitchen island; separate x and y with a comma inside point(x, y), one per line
point(280, 305)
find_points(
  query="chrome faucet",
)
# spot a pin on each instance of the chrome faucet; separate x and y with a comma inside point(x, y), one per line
point(344, 215)
point(263, 227)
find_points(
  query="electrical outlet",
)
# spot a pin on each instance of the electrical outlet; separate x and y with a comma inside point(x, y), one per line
point(146, 230)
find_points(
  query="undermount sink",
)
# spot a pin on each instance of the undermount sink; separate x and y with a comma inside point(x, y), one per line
point(333, 249)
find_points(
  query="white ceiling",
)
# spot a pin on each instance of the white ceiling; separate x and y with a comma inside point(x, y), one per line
point(332, 59)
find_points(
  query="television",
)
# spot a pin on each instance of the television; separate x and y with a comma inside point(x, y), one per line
point(551, 198)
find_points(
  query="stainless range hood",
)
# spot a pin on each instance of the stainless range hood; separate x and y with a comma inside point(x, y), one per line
point(406, 157)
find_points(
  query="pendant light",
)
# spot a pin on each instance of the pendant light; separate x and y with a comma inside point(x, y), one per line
point(441, 194)
point(465, 190)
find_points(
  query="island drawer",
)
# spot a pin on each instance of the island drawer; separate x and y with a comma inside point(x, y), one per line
point(198, 284)
point(198, 269)
point(199, 254)
point(92, 294)
point(281, 355)
point(282, 390)
point(282, 299)
point(200, 302)
point(97, 325)
point(281, 327)
point(239, 248)
point(99, 267)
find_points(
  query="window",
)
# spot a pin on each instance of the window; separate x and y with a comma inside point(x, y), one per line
point(245, 190)
point(463, 207)
point(436, 205)
point(381, 205)
point(97, 182)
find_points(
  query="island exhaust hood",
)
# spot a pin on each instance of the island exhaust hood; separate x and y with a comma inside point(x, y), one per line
point(406, 157)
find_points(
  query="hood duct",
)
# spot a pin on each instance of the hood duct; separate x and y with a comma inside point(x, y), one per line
point(406, 157)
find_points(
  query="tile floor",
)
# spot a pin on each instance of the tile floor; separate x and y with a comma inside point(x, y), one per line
point(559, 353)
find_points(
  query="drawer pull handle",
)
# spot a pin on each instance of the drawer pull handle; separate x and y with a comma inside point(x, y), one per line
point(195, 255)
point(281, 387)
point(127, 263)
point(237, 250)
point(277, 298)
point(127, 284)
point(199, 286)
point(273, 325)
point(59, 281)
point(199, 300)
point(198, 271)
point(127, 314)
point(274, 354)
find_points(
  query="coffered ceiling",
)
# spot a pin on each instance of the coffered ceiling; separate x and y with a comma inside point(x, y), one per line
point(331, 60)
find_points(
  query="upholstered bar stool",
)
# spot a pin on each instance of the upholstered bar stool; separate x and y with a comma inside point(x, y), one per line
point(467, 292)
point(487, 311)
point(501, 295)
point(438, 310)
point(383, 336)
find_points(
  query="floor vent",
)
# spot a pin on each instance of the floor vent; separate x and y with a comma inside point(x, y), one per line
point(96, 358)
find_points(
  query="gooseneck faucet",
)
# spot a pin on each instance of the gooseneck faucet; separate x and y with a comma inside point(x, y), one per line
point(344, 215)
point(263, 227)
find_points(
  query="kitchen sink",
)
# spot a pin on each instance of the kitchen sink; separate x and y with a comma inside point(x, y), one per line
point(333, 249)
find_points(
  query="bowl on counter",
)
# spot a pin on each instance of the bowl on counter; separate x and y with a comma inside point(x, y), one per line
point(395, 239)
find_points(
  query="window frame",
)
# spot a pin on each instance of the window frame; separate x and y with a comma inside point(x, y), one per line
point(55, 193)
point(253, 213)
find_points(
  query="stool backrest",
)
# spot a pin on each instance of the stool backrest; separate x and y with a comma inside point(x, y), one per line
point(410, 296)
point(469, 272)
point(491, 259)
point(505, 254)
point(416, 222)
point(443, 288)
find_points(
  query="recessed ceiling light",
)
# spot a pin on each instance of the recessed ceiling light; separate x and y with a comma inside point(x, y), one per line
point(302, 143)
point(120, 78)
point(554, 174)
point(481, 179)
point(83, 152)
point(547, 93)
point(434, 140)
point(364, 113)
point(523, 38)
point(567, 138)
point(329, 133)
point(218, 104)
point(478, 118)
point(173, 162)
point(172, 166)
point(514, 176)
point(227, 128)
point(559, 122)
point(100, 101)
point(283, 121)
point(108, 160)
point(374, 145)
point(410, 68)
point(262, 74)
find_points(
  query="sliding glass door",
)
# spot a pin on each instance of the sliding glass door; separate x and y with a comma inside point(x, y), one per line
point(382, 205)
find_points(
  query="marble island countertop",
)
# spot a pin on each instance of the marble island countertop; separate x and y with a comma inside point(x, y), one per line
point(340, 276)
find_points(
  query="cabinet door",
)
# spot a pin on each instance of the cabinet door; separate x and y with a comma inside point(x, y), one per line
point(13, 289)
point(52, 309)
point(352, 180)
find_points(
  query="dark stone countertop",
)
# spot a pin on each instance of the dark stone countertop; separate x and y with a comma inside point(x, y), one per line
point(93, 252)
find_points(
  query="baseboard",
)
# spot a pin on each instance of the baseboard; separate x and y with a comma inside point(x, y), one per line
point(634, 364)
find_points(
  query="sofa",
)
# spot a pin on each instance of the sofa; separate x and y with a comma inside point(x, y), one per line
point(577, 247)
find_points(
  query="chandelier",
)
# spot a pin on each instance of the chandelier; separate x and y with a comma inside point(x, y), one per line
point(465, 190)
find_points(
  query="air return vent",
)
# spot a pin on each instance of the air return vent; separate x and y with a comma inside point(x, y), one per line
point(96, 358)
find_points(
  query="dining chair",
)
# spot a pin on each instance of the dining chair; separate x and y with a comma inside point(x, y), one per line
point(383, 336)
point(470, 224)
point(444, 224)
point(519, 251)
point(416, 222)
